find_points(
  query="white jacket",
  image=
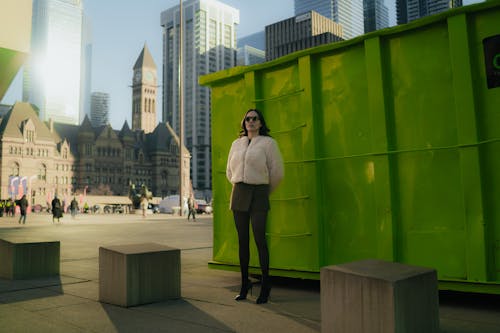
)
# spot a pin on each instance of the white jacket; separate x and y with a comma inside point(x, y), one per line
point(256, 163)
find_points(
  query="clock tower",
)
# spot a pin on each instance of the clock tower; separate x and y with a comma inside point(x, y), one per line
point(144, 91)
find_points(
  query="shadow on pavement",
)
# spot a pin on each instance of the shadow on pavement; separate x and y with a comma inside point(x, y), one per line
point(171, 316)
point(12, 291)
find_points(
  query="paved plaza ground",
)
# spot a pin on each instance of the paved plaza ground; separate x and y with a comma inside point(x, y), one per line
point(69, 303)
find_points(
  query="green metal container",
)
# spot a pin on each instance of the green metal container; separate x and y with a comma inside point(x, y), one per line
point(391, 143)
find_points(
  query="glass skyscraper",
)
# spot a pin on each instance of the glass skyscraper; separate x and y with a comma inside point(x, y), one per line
point(410, 10)
point(348, 13)
point(99, 109)
point(52, 77)
point(376, 15)
point(209, 36)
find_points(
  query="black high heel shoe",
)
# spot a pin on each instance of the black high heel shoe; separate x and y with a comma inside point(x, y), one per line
point(244, 291)
point(265, 290)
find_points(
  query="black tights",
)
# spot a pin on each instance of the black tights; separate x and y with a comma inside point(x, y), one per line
point(242, 221)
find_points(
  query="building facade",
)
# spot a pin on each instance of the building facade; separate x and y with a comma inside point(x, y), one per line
point(300, 32)
point(99, 108)
point(209, 35)
point(41, 159)
point(248, 55)
point(348, 13)
point(251, 49)
point(144, 91)
point(410, 10)
point(52, 76)
point(86, 80)
point(376, 15)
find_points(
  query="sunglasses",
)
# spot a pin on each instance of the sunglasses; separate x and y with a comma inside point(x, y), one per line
point(255, 118)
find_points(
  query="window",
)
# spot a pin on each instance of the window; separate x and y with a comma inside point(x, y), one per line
point(42, 172)
point(14, 169)
point(30, 136)
point(88, 149)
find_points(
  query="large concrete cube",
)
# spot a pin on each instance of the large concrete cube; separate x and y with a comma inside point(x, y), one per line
point(139, 274)
point(28, 259)
point(379, 297)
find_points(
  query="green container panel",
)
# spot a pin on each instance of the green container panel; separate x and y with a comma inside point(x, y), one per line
point(391, 143)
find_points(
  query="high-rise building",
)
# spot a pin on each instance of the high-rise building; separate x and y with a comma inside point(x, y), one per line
point(251, 49)
point(209, 39)
point(256, 40)
point(99, 109)
point(248, 55)
point(52, 77)
point(348, 13)
point(144, 90)
point(376, 15)
point(410, 10)
point(300, 32)
point(86, 80)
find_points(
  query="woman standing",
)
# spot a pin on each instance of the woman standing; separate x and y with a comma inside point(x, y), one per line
point(255, 168)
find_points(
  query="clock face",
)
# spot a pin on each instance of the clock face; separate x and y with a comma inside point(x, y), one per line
point(148, 75)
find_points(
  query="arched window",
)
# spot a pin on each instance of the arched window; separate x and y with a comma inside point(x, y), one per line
point(42, 172)
point(164, 177)
point(14, 169)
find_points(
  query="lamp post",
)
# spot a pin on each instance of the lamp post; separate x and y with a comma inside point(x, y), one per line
point(181, 108)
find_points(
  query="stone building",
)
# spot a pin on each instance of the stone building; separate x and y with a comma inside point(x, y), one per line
point(42, 159)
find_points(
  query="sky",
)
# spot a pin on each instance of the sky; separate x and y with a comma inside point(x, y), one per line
point(120, 28)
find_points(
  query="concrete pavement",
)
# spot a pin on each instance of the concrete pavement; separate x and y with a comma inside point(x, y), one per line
point(69, 303)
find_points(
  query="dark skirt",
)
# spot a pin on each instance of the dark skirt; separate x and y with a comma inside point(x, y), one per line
point(248, 197)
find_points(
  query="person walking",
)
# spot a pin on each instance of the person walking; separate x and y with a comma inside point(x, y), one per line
point(57, 211)
point(8, 207)
point(144, 206)
point(192, 207)
point(23, 207)
point(73, 206)
point(255, 168)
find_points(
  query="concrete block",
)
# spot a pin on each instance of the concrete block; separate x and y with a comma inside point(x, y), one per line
point(139, 274)
point(379, 297)
point(27, 260)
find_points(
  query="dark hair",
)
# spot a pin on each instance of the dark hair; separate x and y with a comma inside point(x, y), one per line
point(263, 130)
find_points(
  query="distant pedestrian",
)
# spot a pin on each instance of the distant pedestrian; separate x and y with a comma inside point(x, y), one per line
point(9, 207)
point(192, 207)
point(73, 206)
point(23, 206)
point(144, 206)
point(57, 211)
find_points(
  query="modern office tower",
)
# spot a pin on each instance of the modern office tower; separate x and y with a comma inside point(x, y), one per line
point(251, 49)
point(348, 13)
point(99, 109)
point(86, 86)
point(300, 32)
point(144, 90)
point(376, 15)
point(209, 36)
point(410, 10)
point(256, 40)
point(52, 77)
point(248, 55)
